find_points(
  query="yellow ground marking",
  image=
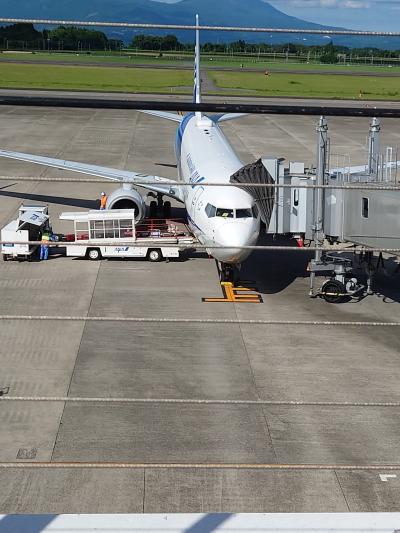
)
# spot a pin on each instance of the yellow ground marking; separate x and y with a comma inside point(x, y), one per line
point(234, 294)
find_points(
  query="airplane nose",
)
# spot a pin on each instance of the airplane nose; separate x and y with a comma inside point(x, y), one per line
point(235, 235)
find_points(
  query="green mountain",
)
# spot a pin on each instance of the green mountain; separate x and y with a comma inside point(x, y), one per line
point(213, 12)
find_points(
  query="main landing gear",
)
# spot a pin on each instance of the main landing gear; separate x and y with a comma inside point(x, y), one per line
point(159, 208)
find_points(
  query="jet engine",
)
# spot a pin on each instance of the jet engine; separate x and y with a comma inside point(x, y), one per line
point(128, 198)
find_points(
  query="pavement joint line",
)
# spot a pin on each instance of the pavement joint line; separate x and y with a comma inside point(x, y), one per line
point(150, 320)
point(198, 466)
point(196, 401)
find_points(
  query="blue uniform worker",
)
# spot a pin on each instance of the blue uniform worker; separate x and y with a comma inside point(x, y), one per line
point(44, 247)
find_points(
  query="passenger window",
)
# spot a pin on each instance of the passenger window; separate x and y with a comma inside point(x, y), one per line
point(97, 229)
point(365, 207)
point(109, 229)
point(224, 213)
point(82, 232)
point(244, 213)
point(210, 210)
point(126, 228)
point(116, 229)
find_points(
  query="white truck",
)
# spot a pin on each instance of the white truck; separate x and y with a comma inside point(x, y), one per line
point(31, 221)
point(97, 234)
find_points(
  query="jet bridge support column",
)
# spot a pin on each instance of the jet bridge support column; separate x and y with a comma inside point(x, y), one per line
point(339, 286)
point(317, 227)
point(374, 147)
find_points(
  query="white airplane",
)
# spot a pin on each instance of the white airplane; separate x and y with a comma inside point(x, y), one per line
point(218, 216)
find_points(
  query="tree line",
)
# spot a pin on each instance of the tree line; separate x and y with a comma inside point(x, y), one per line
point(61, 38)
point(73, 38)
point(329, 53)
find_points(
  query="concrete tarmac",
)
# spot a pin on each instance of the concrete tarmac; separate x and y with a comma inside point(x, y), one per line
point(186, 361)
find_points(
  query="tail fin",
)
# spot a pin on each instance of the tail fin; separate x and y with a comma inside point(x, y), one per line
point(197, 79)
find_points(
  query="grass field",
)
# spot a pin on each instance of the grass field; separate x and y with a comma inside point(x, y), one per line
point(84, 58)
point(309, 86)
point(94, 78)
point(148, 80)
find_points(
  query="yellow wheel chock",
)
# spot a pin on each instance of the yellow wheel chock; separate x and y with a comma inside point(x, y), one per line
point(234, 294)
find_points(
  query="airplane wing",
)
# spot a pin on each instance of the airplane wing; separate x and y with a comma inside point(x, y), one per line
point(223, 117)
point(153, 183)
point(163, 114)
point(227, 116)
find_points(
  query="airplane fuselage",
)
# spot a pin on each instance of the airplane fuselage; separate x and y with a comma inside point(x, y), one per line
point(217, 215)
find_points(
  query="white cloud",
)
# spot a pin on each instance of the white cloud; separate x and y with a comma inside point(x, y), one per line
point(355, 4)
point(313, 3)
point(344, 4)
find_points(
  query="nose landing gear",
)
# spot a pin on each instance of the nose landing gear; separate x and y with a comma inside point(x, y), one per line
point(228, 275)
point(227, 272)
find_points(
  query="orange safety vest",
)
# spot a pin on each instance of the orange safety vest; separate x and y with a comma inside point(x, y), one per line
point(103, 201)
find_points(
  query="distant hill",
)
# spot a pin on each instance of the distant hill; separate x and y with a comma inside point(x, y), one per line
point(213, 12)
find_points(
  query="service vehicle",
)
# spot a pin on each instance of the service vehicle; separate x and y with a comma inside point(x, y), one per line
point(114, 233)
point(31, 221)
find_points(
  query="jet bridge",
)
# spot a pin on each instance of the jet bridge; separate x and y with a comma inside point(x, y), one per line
point(367, 217)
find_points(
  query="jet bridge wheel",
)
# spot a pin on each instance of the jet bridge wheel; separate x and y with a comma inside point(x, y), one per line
point(333, 291)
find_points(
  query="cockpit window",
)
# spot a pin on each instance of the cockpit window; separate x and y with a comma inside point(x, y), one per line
point(210, 210)
point(244, 213)
point(224, 213)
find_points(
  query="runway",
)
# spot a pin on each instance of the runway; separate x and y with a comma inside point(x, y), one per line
point(187, 361)
point(187, 65)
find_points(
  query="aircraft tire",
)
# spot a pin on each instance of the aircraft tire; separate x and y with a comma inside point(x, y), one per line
point(167, 209)
point(153, 209)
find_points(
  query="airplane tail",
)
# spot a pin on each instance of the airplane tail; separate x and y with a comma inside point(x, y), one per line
point(175, 117)
point(197, 79)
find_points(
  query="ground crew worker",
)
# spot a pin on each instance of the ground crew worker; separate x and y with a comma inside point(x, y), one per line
point(44, 247)
point(103, 201)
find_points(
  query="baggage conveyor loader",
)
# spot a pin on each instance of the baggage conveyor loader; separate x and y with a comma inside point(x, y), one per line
point(31, 221)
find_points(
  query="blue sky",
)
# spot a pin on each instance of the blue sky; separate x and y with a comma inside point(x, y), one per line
point(380, 15)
